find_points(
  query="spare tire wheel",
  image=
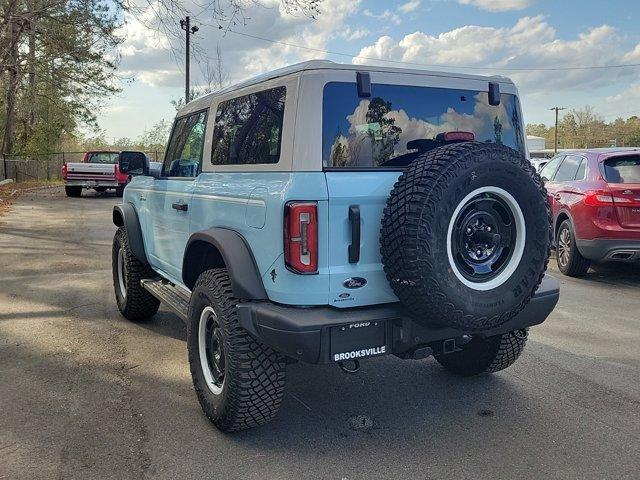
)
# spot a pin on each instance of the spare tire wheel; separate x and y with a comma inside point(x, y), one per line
point(465, 236)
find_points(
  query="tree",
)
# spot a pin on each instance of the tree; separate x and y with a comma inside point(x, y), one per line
point(56, 69)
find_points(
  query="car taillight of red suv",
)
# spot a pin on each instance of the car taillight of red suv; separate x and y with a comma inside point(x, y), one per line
point(595, 199)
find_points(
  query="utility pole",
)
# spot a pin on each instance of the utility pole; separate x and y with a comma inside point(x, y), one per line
point(185, 24)
point(555, 143)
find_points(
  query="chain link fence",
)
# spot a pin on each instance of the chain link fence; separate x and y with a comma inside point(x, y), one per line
point(46, 166)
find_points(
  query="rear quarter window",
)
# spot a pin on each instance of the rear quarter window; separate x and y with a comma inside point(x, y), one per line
point(248, 129)
point(622, 169)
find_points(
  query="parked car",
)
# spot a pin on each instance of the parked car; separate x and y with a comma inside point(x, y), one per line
point(329, 213)
point(103, 170)
point(595, 199)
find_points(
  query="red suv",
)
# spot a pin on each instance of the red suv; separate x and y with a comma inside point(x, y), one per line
point(595, 200)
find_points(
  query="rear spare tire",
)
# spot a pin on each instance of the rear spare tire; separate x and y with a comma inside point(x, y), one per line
point(465, 236)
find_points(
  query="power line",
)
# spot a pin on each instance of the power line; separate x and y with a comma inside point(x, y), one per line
point(464, 67)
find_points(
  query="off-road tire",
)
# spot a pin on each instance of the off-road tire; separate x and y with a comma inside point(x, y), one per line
point(119, 191)
point(415, 235)
point(254, 378)
point(137, 304)
point(577, 265)
point(485, 355)
point(73, 191)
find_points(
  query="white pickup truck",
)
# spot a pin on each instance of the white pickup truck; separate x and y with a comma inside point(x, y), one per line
point(102, 170)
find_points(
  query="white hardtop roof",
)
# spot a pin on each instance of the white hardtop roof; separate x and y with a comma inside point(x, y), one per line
point(329, 65)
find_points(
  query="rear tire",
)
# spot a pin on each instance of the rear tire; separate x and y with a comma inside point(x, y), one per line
point(239, 381)
point(73, 191)
point(570, 260)
point(485, 355)
point(134, 302)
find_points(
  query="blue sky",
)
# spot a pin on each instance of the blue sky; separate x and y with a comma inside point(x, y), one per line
point(496, 34)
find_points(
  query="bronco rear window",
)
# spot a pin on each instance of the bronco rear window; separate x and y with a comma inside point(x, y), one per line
point(375, 132)
point(622, 169)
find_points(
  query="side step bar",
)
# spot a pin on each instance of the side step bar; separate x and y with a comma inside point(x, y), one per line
point(174, 297)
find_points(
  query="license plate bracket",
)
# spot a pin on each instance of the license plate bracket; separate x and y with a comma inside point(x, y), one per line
point(358, 340)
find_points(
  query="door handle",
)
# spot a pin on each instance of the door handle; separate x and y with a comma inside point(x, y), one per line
point(354, 248)
point(181, 207)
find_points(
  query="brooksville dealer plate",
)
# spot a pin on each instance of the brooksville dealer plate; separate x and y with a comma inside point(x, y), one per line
point(358, 340)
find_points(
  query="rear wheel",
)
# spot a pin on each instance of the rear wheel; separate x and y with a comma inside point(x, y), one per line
point(134, 302)
point(570, 260)
point(73, 191)
point(485, 355)
point(239, 381)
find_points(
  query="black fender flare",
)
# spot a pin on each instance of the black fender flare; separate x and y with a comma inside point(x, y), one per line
point(125, 215)
point(220, 247)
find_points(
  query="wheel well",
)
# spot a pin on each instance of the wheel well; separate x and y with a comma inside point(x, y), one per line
point(561, 218)
point(118, 221)
point(199, 257)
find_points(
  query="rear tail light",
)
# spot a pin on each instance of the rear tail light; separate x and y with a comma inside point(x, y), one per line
point(301, 237)
point(64, 171)
point(597, 198)
point(85, 158)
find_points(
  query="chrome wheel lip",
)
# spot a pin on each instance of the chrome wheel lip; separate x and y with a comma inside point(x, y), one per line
point(208, 314)
point(122, 273)
point(564, 247)
point(518, 249)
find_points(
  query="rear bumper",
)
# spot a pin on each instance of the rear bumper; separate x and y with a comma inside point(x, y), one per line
point(305, 333)
point(604, 249)
point(92, 183)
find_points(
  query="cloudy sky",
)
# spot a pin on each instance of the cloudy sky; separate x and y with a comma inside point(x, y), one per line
point(509, 37)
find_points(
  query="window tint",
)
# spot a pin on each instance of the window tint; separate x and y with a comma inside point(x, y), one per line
point(398, 122)
point(550, 168)
point(580, 174)
point(184, 152)
point(622, 169)
point(248, 129)
point(568, 169)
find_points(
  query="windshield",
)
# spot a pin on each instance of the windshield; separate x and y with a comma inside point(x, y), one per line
point(376, 131)
point(103, 157)
point(622, 169)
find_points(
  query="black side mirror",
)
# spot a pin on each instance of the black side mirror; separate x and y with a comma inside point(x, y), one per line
point(133, 163)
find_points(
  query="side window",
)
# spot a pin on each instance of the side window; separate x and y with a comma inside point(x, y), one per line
point(580, 174)
point(248, 129)
point(550, 168)
point(184, 152)
point(568, 169)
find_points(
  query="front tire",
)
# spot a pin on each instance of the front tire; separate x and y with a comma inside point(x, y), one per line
point(134, 302)
point(570, 260)
point(239, 381)
point(485, 355)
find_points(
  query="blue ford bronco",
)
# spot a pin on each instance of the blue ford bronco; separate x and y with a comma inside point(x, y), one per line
point(327, 213)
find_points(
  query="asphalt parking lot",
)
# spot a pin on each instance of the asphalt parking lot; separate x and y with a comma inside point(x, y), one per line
point(86, 394)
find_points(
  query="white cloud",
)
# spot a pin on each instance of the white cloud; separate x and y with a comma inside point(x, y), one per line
point(148, 56)
point(498, 5)
point(350, 33)
point(410, 6)
point(623, 104)
point(530, 43)
point(386, 15)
